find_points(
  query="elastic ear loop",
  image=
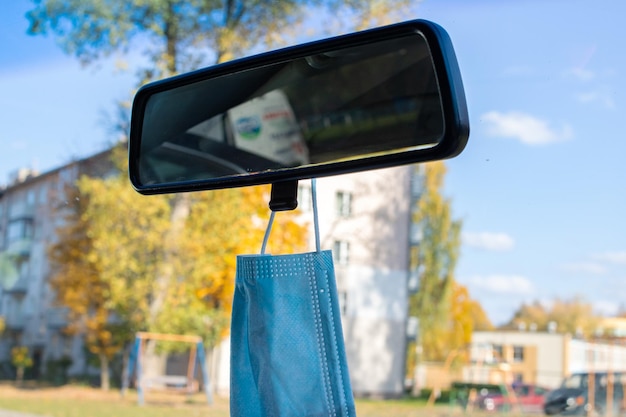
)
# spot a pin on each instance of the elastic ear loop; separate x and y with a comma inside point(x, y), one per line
point(315, 221)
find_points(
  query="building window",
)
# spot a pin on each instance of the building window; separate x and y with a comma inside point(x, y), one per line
point(518, 353)
point(43, 193)
point(19, 229)
point(341, 252)
point(343, 203)
point(30, 198)
point(498, 353)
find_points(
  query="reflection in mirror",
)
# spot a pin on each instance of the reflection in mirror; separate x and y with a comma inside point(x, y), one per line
point(347, 104)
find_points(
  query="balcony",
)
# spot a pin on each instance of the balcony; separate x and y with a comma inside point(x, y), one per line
point(15, 321)
point(19, 288)
point(20, 248)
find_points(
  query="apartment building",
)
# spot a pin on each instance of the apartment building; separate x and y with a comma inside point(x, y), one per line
point(31, 207)
point(365, 219)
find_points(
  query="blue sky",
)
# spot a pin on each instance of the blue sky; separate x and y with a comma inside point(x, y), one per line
point(541, 187)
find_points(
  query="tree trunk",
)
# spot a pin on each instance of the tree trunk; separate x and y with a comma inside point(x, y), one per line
point(19, 378)
point(105, 379)
point(180, 210)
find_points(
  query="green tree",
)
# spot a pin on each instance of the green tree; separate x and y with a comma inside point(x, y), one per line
point(436, 259)
point(178, 36)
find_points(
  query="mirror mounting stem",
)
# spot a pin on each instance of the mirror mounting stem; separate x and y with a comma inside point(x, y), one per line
point(284, 196)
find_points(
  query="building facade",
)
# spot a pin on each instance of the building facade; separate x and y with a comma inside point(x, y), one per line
point(31, 208)
point(371, 244)
point(540, 358)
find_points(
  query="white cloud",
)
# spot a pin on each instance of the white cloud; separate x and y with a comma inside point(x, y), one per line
point(499, 242)
point(585, 267)
point(606, 308)
point(503, 284)
point(526, 128)
point(614, 257)
point(581, 74)
point(600, 96)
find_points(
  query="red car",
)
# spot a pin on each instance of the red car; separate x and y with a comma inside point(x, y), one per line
point(528, 397)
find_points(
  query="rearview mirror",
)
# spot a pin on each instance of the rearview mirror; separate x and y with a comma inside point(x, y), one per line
point(372, 99)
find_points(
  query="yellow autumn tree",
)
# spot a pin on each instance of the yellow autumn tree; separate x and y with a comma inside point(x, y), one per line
point(20, 358)
point(220, 225)
point(574, 316)
point(466, 315)
point(436, 258)
point(126, 262)
point(77, 285)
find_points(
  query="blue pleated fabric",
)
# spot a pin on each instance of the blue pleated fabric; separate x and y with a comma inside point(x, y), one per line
point(287, 349)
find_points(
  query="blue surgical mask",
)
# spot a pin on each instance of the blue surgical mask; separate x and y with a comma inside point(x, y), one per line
point(287, 350)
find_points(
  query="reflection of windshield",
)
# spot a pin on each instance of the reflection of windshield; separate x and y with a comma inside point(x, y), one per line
point(346, 104)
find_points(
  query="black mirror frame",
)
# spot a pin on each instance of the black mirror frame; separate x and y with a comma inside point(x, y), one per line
point(456, 129)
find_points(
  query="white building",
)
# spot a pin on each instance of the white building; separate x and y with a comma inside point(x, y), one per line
point(371, 241)
point(539, 357)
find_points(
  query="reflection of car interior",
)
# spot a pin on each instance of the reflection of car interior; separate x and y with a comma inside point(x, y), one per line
point(189, 153)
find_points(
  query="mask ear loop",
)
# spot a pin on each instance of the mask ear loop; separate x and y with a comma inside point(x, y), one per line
point(267, 232)
point(315, 221)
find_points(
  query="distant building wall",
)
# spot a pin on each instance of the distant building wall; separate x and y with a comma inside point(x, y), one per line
point(543, 354)
point(547, 357)
point(601, 356)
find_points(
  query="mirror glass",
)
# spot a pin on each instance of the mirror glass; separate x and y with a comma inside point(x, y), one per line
point(339, 105)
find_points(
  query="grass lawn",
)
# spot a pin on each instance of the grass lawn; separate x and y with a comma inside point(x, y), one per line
point(74, 401)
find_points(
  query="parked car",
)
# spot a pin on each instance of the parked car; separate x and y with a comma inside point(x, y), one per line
point(573, 397)
point(528, 397)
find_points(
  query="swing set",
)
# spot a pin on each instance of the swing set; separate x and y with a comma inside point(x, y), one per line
point(180, 383)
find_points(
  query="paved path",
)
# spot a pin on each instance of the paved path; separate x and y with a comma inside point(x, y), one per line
point(9, 413)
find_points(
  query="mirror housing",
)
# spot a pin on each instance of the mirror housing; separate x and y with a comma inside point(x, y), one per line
point(373, 99)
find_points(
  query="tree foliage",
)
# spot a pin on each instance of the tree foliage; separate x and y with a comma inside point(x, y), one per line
point(574, 316)
point(120, 269)
point(166, 263)
point(178, 36)
point(76, 280)
point(466, 316)
point(436, 259)
point(21, 359)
